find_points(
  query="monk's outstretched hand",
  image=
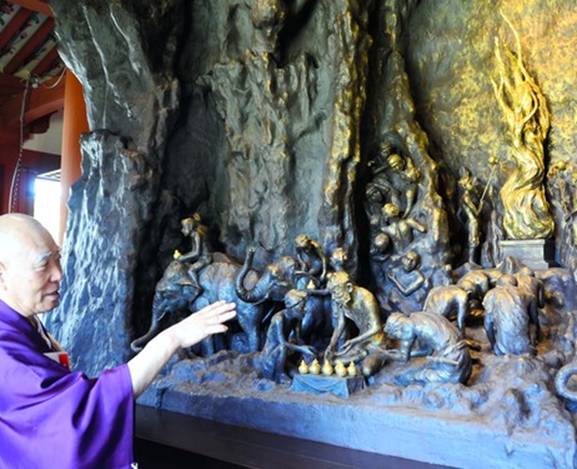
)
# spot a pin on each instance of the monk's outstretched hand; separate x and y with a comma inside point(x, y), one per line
point(146, 365)
point(202, 324)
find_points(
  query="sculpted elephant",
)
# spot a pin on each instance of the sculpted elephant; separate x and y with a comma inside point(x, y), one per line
point(176, 292)
point(274, 284)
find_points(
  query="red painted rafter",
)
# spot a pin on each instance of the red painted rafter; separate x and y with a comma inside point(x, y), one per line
point(38, 6)
point(46, 63)
point(37, 39)
point(10, 84)
point(14, 26)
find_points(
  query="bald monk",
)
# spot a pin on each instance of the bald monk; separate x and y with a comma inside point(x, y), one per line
point(52, 417)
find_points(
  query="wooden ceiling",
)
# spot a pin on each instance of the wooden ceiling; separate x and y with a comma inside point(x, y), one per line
point(28, 51)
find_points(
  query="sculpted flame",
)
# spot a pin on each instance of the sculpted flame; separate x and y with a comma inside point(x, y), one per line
point(527, 214)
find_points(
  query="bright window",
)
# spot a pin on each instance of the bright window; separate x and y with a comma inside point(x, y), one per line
point(47, 202)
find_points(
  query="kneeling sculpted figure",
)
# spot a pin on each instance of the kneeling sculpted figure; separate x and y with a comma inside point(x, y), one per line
point(447, 355)
point(446, 300)
point(507, 318)
point(534, 292)
point(271, 362)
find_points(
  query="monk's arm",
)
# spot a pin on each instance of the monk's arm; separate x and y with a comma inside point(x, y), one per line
point(145, 366)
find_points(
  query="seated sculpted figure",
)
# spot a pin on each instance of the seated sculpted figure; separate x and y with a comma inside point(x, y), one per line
point(283, 338)
point(400, 230)
point(357, 304)
point(312, 260)
point(432, 336)
point(395, 177)
point(507, 318)
point(338, 260)
point(199, 254)
point(380, 188)
point(408, 280)
point(405, 175)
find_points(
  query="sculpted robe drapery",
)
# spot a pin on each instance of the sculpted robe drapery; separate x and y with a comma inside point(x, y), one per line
point(53, 418)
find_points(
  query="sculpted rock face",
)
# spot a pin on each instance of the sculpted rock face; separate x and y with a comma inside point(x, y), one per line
point(271, 140)
point(130, 90)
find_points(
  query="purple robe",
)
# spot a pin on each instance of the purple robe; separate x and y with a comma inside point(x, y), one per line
point(51, 417)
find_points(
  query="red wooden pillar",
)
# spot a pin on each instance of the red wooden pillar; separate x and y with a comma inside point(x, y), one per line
point(8, 157)
point(74, 124)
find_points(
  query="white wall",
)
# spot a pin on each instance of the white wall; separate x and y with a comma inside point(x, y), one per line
point(51, 140)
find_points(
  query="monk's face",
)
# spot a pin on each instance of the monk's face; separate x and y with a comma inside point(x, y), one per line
point(30, 273)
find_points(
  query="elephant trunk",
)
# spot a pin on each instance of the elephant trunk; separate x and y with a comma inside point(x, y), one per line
point(253, 295)
point(562, 379)
point(158, 312)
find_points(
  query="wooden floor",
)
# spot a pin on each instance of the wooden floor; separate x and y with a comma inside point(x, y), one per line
point(167, 440)
point(155, 456)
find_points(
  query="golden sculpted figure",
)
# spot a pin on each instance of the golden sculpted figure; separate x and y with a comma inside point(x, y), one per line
point(527, 214)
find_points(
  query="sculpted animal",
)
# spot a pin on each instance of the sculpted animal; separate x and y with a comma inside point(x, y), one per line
point(176, 292)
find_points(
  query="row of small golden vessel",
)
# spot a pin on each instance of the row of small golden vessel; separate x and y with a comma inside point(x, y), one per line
point(327, 369)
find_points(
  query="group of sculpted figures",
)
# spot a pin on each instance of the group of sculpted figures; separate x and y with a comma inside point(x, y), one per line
point(425, 320)
point(389, 200)
point(308, 307)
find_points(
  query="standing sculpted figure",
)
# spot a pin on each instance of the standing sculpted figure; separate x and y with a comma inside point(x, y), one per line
point(472, 212)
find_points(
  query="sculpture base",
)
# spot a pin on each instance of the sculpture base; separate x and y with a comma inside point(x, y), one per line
point(534, 253)
point(507, 410)
point(319, 385)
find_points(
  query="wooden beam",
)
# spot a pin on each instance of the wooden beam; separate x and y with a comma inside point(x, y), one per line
point(34, 5)
point(42, 101)
point(13, 27)
point(38, 38)
point(46, 63)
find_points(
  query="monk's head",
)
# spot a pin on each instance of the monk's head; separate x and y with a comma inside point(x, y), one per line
point(30, 271)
